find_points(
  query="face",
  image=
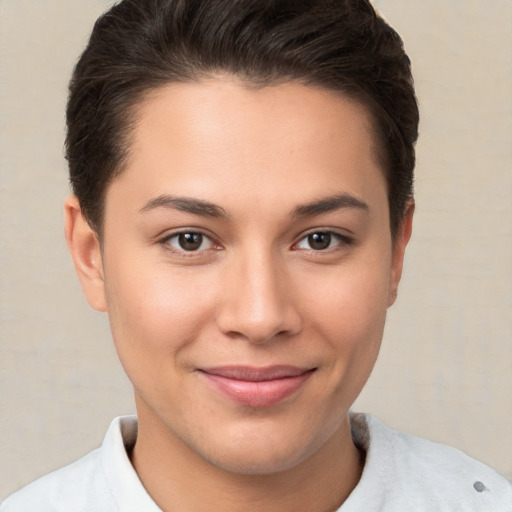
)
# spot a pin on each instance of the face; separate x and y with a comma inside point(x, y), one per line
point(247, 267)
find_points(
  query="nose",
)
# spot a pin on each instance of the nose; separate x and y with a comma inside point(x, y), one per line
point(257, 301)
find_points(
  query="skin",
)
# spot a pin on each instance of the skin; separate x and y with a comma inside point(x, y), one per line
point(256, 292)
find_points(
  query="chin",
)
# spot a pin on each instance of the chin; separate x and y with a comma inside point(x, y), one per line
point(262, 452)
point(259, 464)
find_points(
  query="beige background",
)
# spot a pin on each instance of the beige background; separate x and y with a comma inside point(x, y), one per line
point(445, 370)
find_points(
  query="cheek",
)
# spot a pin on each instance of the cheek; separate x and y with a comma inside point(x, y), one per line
point(154, 314)
point(350, 315)
point(353, 300)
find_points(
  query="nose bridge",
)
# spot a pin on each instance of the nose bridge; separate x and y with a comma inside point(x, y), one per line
point(256, 302)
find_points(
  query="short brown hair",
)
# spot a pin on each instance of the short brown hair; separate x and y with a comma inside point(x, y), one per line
point(139, 45)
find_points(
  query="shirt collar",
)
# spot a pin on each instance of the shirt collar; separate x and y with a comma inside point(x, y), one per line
point(125, 486)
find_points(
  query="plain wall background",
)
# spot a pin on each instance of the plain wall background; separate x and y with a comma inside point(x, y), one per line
point(445, 370)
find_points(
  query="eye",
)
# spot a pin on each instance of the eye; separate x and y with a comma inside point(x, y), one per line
point(189, 241)
point(322, 240)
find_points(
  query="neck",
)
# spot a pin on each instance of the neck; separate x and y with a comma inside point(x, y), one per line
point(177, 478)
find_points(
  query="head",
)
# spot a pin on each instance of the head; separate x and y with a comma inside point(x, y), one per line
point(243, 173)
point(141, 45)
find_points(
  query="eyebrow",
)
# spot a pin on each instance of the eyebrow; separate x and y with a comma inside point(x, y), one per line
point(207, 209)
point(185, 204)
point(329, 204)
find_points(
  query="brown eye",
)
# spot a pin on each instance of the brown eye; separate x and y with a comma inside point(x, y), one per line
point(189, 241)
point(323, 240)
point(320, 241)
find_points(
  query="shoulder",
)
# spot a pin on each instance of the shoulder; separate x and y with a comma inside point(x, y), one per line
point(450, 474)
point(427, 475)
point(69, 487)
point(101, 481)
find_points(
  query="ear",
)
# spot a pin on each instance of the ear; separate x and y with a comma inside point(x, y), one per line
point(399, 244)
point(85, 250)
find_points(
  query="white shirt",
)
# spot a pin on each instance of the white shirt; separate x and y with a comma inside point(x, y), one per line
point(401, 473)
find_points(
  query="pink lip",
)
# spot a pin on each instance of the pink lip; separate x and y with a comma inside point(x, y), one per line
point(257, 387)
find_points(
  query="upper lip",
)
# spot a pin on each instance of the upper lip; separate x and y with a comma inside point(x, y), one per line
point(256, 374)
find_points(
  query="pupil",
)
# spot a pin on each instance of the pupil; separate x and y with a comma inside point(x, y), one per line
point(190, 241)
point(319, 241)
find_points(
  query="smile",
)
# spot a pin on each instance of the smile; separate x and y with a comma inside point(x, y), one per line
point(257, 387)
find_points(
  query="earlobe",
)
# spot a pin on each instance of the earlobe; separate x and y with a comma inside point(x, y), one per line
point(400, 243)
point(85, 250)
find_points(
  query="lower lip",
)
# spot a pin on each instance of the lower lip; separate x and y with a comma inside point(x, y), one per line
point(258, 394)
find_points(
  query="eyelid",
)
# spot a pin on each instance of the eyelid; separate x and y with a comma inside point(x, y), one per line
point(344, 239)
point(164, 239)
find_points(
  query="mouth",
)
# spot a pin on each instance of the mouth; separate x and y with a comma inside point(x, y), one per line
point(257, 387)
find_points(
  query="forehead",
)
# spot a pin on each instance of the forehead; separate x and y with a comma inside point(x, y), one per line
point(220, 137)
point(222, 106)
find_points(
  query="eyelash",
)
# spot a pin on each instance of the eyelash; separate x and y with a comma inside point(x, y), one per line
point(342, 242)
point(165, 242)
